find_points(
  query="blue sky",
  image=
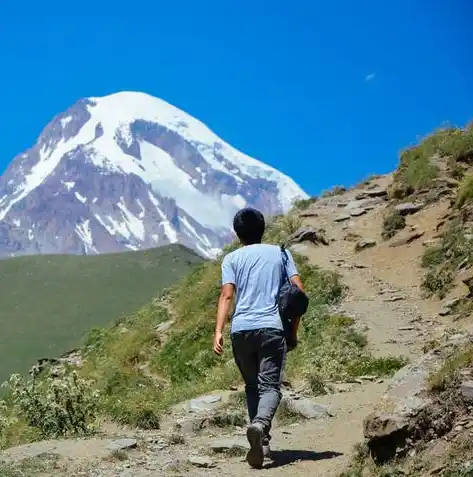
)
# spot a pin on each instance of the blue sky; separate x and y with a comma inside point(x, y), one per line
point(328, 92)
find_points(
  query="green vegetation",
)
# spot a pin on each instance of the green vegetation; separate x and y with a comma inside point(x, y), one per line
point(465, 192)
point(30, 467)
point(443, 260)
point(463, 358)
point(303, 204)
point(138, 372)
point(334, 191)
point(50, 302)
point(417, 169)
point(392, 223)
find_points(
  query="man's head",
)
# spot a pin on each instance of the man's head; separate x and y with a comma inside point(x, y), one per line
point(249, 226)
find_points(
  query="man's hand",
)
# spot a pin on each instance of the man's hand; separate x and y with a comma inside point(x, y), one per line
point(218, 343)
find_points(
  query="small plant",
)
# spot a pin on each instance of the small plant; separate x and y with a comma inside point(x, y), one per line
point(175, 439)
point(303, 204)
point(438, 282)
point(228, 418)
point(463, 358)
point(392, 223)
point(334, 191)
point(58, 405)
point(316, 384)
point(286, 414)
point(465, 192)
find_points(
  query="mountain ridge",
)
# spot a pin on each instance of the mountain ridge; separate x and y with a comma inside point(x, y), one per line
point(130, 171)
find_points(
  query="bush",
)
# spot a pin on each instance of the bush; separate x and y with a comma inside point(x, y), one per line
point(438, 282)
point(334, 191)
point(303, 204)
point(57, 405)
point(465, 192)
point(392, 223)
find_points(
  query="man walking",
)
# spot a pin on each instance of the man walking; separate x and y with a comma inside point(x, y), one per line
point(254, 273)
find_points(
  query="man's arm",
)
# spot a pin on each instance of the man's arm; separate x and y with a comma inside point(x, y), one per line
point(224, 302)
point(295, 279)
point(224, 305)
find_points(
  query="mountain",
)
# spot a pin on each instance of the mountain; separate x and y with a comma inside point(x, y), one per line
point(49, 303)
point(127, 172)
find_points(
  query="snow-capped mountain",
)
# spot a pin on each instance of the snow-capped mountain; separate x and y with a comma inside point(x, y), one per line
point(126, 172)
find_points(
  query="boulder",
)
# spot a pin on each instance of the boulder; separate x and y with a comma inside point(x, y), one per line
point(408, 208)
point(305, 407)
point(406, 411)
point(406, 238)
point(357, 212)
point(364, 243)
point(122, 444)
point(466, 276)
point(309, 234)
point(342, 218)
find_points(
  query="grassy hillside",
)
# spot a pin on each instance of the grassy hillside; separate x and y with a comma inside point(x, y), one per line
point(137, 370)
point(48, 303)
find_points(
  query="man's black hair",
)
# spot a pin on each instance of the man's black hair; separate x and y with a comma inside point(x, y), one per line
point(249, 225)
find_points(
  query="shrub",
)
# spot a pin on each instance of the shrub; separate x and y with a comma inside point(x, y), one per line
point(465, 191)
point(438, 282)
point(392, 223)
point(58, 405)
point(334, 191)
point(303, 204)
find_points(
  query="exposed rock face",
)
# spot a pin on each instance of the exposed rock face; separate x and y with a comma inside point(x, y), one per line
point(409, 411)
point(128, 172)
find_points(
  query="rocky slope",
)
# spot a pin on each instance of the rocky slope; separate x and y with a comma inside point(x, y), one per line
point(408, 288)
point(127, 172)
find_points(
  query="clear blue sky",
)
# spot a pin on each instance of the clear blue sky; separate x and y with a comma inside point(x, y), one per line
point(328, 92)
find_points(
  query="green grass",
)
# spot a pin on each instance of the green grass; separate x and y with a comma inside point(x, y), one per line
point(465, 192)
point(392, 223)
point(50, 302)
point(442, 261)
point(416, 169)
point(141, 373)
point(463, 358)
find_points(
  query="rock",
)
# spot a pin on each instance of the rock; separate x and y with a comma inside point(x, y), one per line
point(202, 462)
point(378, 192)
point(342, 218)
point(393, 298)
point(408, 407)
point(357, 212)
point(122, 444)
point(466, 389)
point(204, 403)
point(164, 326)
point(406, 328)
point(352, 237)
point(445, 311)
point(308, 213)
point(365, 243)
point(228, 445)
point(406, 238)
point(306, 408)
point(309, 234)
point(466, 276)
point(408, 208)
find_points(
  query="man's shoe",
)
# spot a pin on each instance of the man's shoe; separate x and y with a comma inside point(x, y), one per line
point(266, 451)
point(255, 456)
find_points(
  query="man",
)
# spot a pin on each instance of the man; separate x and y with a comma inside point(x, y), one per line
point(255, 273)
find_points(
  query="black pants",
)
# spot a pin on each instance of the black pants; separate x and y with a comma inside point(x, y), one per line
point(261, 356)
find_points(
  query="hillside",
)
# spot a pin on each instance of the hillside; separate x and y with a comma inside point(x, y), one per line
point(381, 384)
point(50, 302)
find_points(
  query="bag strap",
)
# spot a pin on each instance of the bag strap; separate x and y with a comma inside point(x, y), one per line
point(285, 259)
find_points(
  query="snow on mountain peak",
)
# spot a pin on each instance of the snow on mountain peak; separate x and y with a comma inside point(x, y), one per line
point(186, 182)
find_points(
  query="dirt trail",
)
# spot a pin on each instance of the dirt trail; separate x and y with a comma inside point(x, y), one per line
point(383, 297)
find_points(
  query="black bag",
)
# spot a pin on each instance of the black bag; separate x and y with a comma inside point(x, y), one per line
point(292, 302)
